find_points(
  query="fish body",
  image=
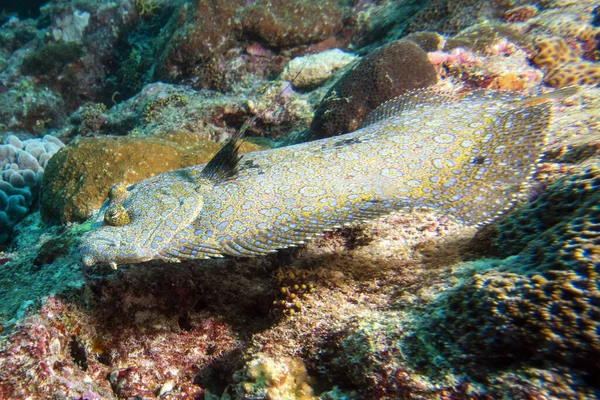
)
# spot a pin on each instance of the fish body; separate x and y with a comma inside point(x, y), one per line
point(463, 155)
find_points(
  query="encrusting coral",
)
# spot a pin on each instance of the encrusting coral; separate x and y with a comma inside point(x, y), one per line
point(562, 65)
point(79, 177)
point(265, 377)
point(540, 306)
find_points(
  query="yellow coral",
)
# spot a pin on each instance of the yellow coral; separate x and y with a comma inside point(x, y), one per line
point(146, 8)
point(562, 65)
point(553, 52)
point(576, 73)
point(277, 379)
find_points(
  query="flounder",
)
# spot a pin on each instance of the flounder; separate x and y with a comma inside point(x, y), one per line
point(466, 155)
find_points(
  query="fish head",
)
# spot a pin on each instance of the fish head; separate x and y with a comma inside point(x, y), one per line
point(139, 224)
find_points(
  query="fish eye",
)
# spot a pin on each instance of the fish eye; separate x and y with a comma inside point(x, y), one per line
point(117, 193)
point(116, 215)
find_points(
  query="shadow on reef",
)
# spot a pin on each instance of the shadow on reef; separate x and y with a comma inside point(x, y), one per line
point(537, 308)
point(243, 296)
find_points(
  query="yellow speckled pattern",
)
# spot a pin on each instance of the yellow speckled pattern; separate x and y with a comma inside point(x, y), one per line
point(466, 155)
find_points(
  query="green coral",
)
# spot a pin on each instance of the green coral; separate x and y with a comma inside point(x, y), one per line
point(92, 116)
point(51, 58)
point(154, 109)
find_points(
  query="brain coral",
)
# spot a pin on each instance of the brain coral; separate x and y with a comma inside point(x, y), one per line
point(544, 303)
point(385, 73)
point(562, 65)
point(22, 164)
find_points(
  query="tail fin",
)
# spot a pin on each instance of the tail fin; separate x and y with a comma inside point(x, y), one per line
point(502, 158)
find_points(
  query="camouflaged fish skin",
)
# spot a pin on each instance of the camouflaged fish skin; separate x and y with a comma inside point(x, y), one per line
point(464, 155)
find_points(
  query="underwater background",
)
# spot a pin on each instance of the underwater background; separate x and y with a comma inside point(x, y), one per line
point(412, 305)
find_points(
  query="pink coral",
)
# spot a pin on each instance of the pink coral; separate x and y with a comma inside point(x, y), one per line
point(456, 56)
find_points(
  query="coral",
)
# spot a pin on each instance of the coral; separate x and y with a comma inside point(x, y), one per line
point(569, 25)
point(370, 24)
point(284, 378)
point(208, 29)
point(147, 8)
point(134, 70)
point(451, 16)
point(287, 23)
point(540, 307)
point(195, 33)
point(520, 14)
point(503, 66)
point(574, 73)
point(552, 52)
point(295, 286)
point(51, 58)
point(551, 208)
point(70, 27)
point(91, 117)
point(61, 351)
point(153, 109)
point(37, 358)
point(562, 65)
point(428, 41)
point(79, 177)
point(482, 38)
point(385, 73)
point(311, 71)
point(22, 164)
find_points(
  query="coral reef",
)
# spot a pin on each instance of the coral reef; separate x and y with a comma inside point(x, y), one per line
point(403, 307)
point(195, 33)
point(370, 24)
point(27, 108)
point(520, 14)
point(36, 359)
point(287, 23)
point(51, 58)
point(554, 206)
point(71, 27)
point(60, 351)
point(265, 377)
point(451, 16)
point(385, 73)
point(67, 59)
point(89, 118)
point(296, 286)
point(488, 55)
point(22, 164)
point(77, 179)
point(562, 65)
point(428, 41)
point(538, 308)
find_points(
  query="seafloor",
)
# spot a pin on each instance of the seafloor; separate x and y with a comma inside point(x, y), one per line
point(410, 306)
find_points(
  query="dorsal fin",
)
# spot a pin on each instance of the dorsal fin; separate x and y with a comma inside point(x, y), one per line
point(411, 100)
point(223, 166)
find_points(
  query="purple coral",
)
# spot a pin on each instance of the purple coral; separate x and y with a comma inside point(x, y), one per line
point(22, 166)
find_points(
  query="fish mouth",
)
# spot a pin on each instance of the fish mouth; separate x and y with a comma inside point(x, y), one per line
point(97, 249)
